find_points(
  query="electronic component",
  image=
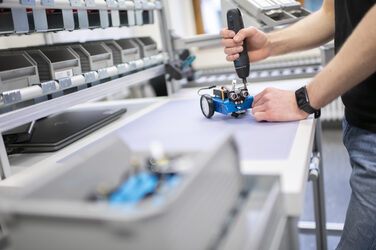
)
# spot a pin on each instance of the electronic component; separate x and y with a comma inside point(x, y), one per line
point(235, 101)
point(154, 176)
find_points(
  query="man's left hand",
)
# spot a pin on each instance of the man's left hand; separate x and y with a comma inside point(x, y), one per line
point(277, 105)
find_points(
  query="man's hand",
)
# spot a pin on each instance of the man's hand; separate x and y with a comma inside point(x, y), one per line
point(277, 105)
point(258, 44)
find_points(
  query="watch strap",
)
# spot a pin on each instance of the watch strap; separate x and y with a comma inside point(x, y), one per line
point(302, 100)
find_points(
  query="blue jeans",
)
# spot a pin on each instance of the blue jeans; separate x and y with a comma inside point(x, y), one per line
point(360, 225)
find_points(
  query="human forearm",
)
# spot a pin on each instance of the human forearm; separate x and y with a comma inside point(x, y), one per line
point(316, 29)
point(310, 32)
point(354, 63)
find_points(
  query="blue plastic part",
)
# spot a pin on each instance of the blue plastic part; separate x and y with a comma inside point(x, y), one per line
point(173, 181)
point(188, 61)
point(227, 107)
point(136, 187)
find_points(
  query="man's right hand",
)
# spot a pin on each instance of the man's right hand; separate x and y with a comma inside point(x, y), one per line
point(258, 44)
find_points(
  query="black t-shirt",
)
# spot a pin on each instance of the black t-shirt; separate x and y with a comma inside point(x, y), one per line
point(360, 101)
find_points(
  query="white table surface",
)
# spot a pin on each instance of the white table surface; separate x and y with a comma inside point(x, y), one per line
point(293, 171)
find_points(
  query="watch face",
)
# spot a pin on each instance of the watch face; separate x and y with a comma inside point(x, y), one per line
point(303, 101)
point(301, 97)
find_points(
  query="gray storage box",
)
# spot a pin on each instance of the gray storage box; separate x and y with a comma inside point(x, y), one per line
point(124, 50)
point(55, 19)
point(148, 12)
point(17, 70)
point(127, 18)
point(148, 16)
point(6, 22)
point(147, 46)
point(93, 55)
point(55, 62)
point(56, 212)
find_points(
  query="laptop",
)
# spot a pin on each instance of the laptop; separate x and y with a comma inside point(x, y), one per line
point(59, 130)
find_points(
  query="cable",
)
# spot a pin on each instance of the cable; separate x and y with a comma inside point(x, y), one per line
point(211, 87)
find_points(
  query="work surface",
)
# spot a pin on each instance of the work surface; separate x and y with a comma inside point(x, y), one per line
point(179, 125)
point(281, 149)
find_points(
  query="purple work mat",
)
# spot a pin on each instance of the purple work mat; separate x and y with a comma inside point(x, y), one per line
point(180, 126)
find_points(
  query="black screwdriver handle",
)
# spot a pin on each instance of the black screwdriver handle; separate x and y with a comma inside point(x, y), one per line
point(235, 23)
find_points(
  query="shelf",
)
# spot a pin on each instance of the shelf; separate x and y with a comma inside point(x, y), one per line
point(52, 88)
point(24, 115)
point(30, 101)
point(43, 109)
point(83, 4)
point(26, 16)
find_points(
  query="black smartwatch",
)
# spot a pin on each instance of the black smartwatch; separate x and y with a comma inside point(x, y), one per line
point(303, 102)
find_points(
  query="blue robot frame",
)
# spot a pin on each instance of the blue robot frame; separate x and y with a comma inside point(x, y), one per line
point(224, 101)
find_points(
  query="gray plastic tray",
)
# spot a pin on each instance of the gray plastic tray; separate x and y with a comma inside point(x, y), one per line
point(148, 16)
point(127, 18)
point(17, 70)
point(93, 55)
point(6, 22)
point(55, 62)
point(56, 214)
point(124, 50)
point(147, 45)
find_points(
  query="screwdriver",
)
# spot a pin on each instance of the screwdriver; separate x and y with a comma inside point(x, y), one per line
point(235, 23)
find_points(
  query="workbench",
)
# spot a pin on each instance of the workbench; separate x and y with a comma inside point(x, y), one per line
point(282, 149)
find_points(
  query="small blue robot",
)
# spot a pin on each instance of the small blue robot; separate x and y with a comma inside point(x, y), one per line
point(235, 101)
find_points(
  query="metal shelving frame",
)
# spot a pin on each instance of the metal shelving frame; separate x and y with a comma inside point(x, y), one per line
point(71, 9)
point(20, 22)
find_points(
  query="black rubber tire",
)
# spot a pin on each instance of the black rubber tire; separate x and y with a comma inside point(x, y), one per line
point(207, 99)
